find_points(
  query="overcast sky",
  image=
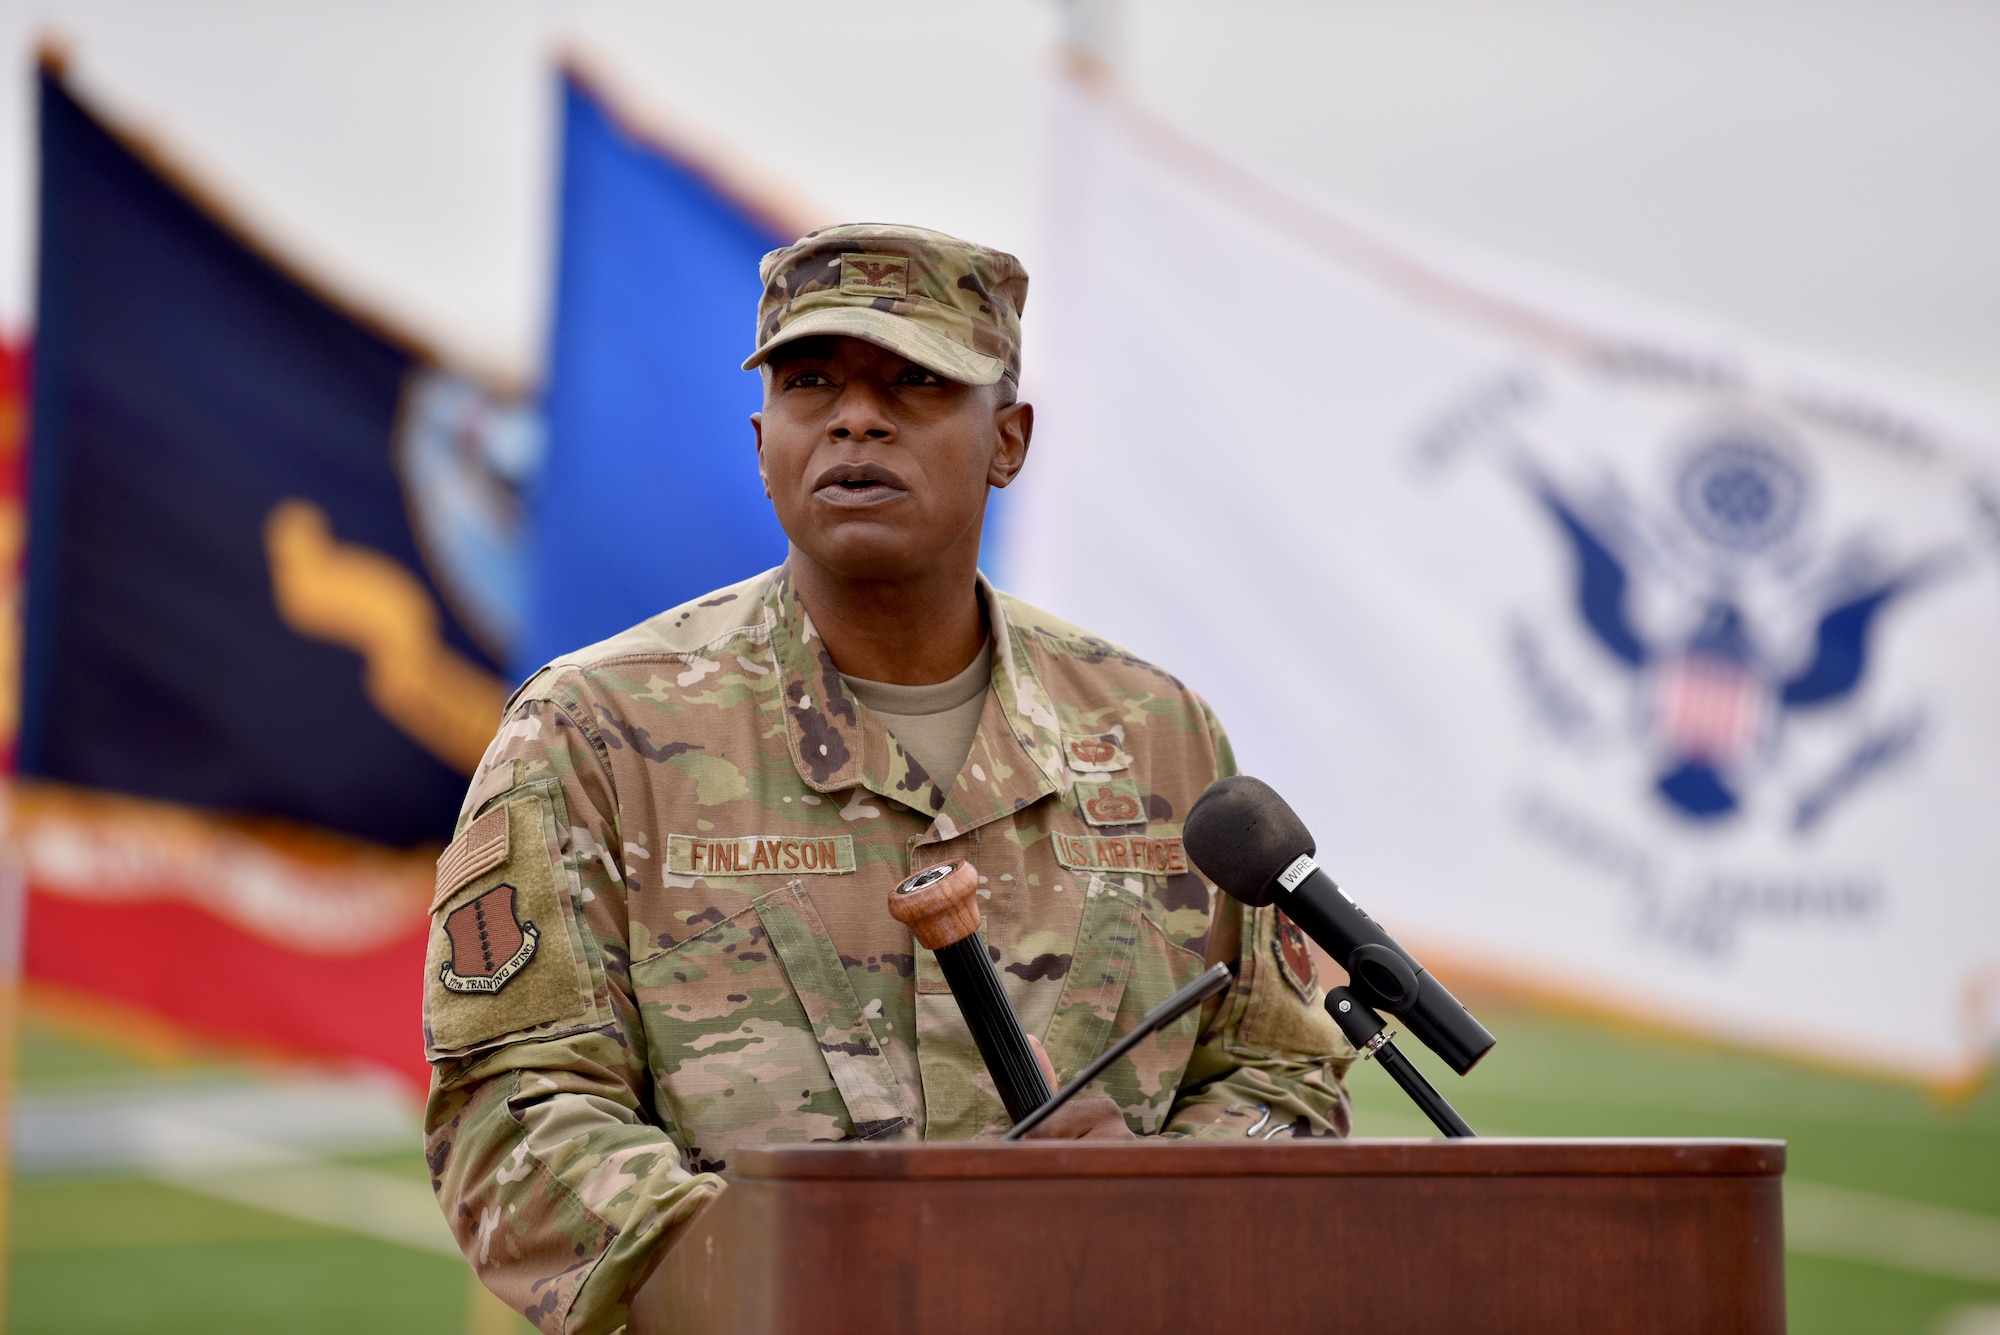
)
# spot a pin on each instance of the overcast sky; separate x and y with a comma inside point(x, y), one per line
point(1825, 172)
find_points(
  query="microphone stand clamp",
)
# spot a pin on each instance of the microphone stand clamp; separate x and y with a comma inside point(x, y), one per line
point(1371, 1038)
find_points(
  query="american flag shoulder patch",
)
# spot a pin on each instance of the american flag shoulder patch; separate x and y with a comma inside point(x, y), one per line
point(481, 848)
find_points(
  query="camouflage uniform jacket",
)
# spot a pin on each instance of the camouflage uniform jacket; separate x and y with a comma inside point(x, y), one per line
point(662, 812)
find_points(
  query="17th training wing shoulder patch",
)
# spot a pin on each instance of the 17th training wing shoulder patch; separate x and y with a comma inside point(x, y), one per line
point(506, 958)
point(489, 942)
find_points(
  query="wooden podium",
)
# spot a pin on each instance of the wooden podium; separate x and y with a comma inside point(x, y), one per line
point(1591, 1236)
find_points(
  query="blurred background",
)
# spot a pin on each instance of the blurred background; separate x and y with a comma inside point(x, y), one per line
point(355, 359)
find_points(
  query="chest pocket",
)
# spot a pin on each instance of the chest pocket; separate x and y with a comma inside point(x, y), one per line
point(1121, 965)
point(755, 1036)
point(1125, 965)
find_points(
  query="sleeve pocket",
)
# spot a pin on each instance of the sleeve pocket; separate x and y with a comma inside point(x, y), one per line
point(506, 958)
point(1281, 1014)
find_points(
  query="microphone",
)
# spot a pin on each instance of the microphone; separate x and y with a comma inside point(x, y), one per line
point(940, 906)
point(1249, 841)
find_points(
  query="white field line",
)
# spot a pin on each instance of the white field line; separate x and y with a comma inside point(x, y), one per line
point(260, 1145)
point(359, 1200)
point(137, 1126)
point(1849, 1225)
point(1975, 1319)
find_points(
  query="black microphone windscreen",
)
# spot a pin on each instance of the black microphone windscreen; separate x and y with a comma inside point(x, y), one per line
point(1241, 834)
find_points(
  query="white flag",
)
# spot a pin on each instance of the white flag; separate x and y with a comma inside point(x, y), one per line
point(1605, 653)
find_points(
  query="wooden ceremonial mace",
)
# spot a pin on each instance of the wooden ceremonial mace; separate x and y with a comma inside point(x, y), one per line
point(940, 906)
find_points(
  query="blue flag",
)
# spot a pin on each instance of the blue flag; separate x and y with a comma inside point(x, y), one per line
point(650, 495)
point(268, 564)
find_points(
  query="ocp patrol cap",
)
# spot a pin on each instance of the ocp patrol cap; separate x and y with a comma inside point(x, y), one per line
point(945, 304)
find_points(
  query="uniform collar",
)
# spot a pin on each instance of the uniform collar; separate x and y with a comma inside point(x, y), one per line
point(838, 743)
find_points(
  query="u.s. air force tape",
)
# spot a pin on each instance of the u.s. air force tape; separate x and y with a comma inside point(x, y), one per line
point(1111, 852)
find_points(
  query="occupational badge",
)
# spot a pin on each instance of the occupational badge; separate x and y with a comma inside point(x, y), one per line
point(1114, 809)
point(489, 943)
point(1114, 803)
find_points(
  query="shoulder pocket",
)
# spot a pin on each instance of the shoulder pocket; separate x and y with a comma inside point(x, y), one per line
point(1281, 1012)
point(507, 958)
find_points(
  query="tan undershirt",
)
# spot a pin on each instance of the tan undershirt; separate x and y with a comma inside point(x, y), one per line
point(936, 725)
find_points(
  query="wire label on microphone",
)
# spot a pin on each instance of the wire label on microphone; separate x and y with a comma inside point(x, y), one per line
point(1302, 867)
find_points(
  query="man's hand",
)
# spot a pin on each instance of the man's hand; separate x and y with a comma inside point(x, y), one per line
point(1093, 1118)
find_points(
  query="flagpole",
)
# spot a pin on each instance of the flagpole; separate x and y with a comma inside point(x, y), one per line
point(13, 914)
point(13, 866)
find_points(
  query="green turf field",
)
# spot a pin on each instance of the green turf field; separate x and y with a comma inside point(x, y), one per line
point(1898, 1196)
point(100, 1252)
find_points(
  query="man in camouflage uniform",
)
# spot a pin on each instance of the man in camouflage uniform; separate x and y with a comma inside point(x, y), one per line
point(661, 932)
